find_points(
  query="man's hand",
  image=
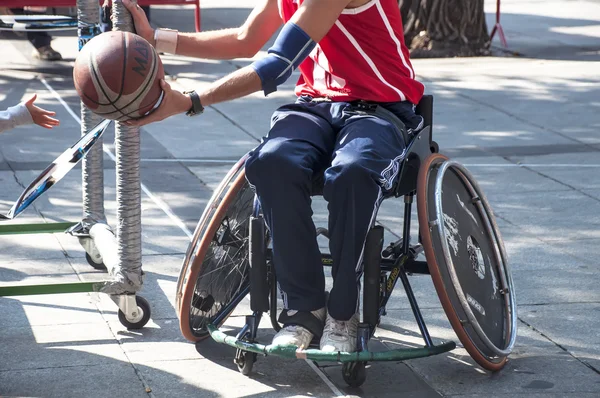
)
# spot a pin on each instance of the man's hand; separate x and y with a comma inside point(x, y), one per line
point(142, 26)
point(173, 103)
point(40, 116)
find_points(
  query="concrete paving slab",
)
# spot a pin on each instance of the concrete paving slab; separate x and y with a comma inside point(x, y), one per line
point(531, 368)
point(53, 346)
point(580, 172)
point(170, 177)
point(20, 247)
point(98, 380)
point(572, 326)
point(384, 379)
point(212, 174)
point(201, 137)
point(552, 286)
point(23, 272)
point(273, 377)
point(50, 309)
point(508, 179)
point(586, 249)
point(560, 216)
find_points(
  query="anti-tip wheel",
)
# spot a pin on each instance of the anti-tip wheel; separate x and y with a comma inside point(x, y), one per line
point(95, 265)
point(142, 315)
point(245, 361)
point(354, 373)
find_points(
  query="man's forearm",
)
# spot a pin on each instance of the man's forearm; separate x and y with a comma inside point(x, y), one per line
point(220, 44)
point(235, 85)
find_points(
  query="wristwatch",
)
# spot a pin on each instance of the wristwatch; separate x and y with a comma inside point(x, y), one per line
point(197, 107)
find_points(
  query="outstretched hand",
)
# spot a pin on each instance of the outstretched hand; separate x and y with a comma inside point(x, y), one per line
point(142, 26)
point(40, 116)
point(173, 103)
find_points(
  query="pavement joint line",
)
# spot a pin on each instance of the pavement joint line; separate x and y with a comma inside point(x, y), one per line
point(527, 121)
point(236, 124)
point(159, 202)
point(325, 379)
point(563, 183)
point(182, 226)
point(559, 346)
point(52, 367)
point(559, 303)
point(522, 120)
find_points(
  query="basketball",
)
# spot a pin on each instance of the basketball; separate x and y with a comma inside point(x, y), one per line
point(117, 76)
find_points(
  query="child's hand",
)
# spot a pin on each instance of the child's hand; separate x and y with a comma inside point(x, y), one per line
point(40, 116)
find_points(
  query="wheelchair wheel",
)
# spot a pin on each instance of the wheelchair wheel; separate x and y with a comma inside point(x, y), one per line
point(467, 260)
point(215, 273)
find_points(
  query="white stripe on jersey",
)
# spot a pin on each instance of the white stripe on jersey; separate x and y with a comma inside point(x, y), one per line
point(369, 60)
point(394, 38)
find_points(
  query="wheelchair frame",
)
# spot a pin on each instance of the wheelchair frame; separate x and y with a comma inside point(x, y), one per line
point(382, 269)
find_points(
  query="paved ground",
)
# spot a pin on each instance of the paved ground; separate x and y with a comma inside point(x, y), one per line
point(526, 126)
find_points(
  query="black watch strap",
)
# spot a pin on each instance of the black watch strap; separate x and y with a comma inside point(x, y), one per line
point(197, 107)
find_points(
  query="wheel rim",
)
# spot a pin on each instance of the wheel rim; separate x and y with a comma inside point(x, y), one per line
point(203, 224)
point(138, 317)
point(219, 270)
point(423, 197)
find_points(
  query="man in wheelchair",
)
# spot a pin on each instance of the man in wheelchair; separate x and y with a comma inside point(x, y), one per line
point(353, 118)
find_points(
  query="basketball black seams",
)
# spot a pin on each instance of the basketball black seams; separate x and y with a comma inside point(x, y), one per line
point(97, 79)
point(142, 91)
point(150, 81)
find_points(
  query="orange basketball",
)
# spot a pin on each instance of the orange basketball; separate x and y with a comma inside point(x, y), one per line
point(117, 76)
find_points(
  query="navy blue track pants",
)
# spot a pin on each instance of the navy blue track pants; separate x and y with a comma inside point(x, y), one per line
point(359, 155)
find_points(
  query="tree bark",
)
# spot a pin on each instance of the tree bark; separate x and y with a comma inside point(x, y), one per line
point(445, 28)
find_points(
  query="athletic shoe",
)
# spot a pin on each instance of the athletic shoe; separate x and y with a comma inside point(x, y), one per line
point(47, 53)
point(296, 335)
point(339, 335)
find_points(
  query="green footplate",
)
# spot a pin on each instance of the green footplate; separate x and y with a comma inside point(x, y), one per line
point(318, 355)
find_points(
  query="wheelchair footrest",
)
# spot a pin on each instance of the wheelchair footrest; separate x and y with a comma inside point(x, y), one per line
point(318, 355)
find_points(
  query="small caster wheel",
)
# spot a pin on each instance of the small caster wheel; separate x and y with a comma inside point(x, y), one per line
point(95, 265)
point(435, 148)
point(354, 373)
point(244, 361)
point(141, 317)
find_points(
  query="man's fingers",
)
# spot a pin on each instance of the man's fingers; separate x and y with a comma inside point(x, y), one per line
point(48, 113)
point(165, 86)
point(129, 5)
point(134, 9)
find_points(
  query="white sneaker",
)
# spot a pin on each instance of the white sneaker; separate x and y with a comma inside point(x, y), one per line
point(339, 335)
point(296, 335)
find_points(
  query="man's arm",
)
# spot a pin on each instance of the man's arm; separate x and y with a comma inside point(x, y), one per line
point(242, 42)
point(314, 18)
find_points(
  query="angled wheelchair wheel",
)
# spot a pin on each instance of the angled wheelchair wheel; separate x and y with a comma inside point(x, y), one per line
point(467, 260)
point(214, 276)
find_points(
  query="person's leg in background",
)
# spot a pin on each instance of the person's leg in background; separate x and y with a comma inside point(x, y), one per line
point(41, 41)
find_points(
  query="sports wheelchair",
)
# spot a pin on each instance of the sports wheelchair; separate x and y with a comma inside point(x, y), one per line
point(229, 257)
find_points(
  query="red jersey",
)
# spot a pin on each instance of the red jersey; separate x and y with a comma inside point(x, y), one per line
point(362, 57)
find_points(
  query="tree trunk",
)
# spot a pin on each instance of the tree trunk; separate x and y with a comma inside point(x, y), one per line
point(445, 28)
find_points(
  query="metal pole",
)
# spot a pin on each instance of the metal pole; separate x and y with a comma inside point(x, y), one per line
point(128, 275)
point(88, 19)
